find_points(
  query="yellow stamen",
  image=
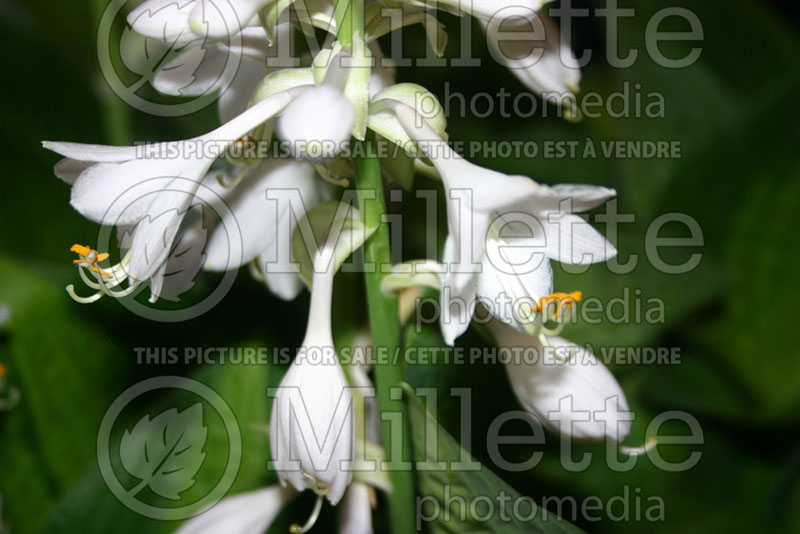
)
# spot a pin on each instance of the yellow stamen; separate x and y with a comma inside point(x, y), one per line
point(89, 258)
point(560, 300)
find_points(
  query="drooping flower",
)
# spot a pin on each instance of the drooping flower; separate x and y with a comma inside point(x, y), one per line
point(480, 203)
point(561, 384)
point(148, 188)
point(312, 429)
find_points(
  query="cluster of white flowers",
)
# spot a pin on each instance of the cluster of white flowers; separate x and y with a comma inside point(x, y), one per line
point(316, 107)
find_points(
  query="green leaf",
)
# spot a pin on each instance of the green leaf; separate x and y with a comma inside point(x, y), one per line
point(330, 220)
point(167, 451)
point(66, 370)
point(431, 444)
point(762, 258)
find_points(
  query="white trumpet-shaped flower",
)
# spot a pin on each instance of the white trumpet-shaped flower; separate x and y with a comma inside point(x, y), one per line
point(564, 386)
point(264, 225)
point(148, 188)
point(477, 199)
point(246, 513)
point(312, 428)
point(516, 278)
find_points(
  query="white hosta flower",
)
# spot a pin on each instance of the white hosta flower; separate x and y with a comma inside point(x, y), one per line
point(264, 226)
point(472, 195)
point(312, 428)
point(247, 513)
point(355, 516)
point(516, 276)
point(545, 63)
point(149, 188)
point(565, 386)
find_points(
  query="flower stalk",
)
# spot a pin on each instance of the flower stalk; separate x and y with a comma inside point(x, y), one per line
point(385, 330)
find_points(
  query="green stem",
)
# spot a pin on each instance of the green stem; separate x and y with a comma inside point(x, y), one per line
point(115, 112)
point(385, 329)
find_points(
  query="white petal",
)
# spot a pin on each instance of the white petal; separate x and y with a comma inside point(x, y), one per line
point(120, 193)
point(286, 286)
point(165, 20)
point(246, 513)
point(457, 299)
point(253, 43)
point(570, 239)
point(318, 124)
point(578, 398)
point(117, 193)
point(513, 276)
point(312, 423)
point(252, 218)
point(197, 70)
point(235, 95)
point(185, 260)
point(69, 169)
point(222, 19)
point(546, 65)
point(355, 516)
point(96, 153)
point(583, 197)
point(491, 190)
point(155, 233)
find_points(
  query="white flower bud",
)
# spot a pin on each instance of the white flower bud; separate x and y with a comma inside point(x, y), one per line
point(318, 124)
point(312, 429)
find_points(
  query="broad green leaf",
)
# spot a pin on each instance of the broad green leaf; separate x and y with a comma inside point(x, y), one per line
point(431, 443)
point(331, 220)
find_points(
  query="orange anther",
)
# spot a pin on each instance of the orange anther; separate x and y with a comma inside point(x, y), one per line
point(560, 299)
point(89, 258)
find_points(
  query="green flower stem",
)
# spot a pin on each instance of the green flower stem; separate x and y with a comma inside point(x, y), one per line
point(385, 329)
point(116, 114)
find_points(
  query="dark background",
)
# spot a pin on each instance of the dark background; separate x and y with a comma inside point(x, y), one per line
point(735, 115)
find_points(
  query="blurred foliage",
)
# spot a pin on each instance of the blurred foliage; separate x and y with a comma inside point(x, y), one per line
point(739, 373)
